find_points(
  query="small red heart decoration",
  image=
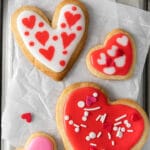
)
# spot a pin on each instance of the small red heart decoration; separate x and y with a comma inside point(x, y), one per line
point(118, 125)
point(29, 22)
point(115, 59)
point(27, 117)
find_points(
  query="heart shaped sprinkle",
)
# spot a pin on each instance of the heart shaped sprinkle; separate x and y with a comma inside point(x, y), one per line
point(27, 117)
point(68, 32)
point(115, 59)
point(95, 122)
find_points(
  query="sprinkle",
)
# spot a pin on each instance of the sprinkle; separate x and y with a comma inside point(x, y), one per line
point(77, 129)
point(117, 123)
point(92, 109)
point(121, 117)
point(113, 143)
point(98, 117)
point(129, 130)
point(84, 118)
point(99, 134)
point(87, 138)
point(71, 122)
point(115, 128)
point(83, 125)
point(95, 94)
point(66, 117)
point(81, 104)
point(109, 136)
point(92, 135)
point(86, 113)
point(93, 144)
point(123, 129)
point(103, 118)
point(76, 125)
point(119, 133)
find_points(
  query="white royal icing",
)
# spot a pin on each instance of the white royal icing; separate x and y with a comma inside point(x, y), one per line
point(102, 59)
point(112, 51)
point(109, 70)
point(54, 63)
point(120, 61)
point(123, 41)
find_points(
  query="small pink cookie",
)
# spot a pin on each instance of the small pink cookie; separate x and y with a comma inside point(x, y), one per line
point(51, 47)
point(115, 59)
point(87, 119)
point(39, 141)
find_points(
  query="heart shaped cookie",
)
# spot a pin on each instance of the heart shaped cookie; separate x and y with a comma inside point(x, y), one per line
point(115, 59)
point(39, 141)
point(87, 119)
point(51, 47)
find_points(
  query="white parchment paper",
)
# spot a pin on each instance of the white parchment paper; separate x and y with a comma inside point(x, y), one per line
point(29, 90)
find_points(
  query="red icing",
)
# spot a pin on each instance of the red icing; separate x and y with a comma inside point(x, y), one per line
point(62, 63)
point(41, 24)
point(31, 43)
point(29, 22)
point(71, 18)
point(42, 37)
point(75, 113)
point(48, 53)
point(67, 38)
point(27, 117)
point(26, 33)
point(122, 50)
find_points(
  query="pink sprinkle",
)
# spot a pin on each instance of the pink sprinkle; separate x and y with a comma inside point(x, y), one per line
point(90, 100)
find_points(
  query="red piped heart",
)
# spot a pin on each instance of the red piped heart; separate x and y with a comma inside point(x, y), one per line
point(29, 22)
point(104, 124)
point(48, 53)
point(27, 117)
point(67, 39)
point(72, 18)
point(42, 37)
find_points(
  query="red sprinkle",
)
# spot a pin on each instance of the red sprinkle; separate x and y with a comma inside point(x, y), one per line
point(63, 25)
point(41, 24)
point(55, 38)
point(62, 63)
point(74, 8)
point(79, 28)
point(26, 33)
point(31, 43)
point(65, 52)
point(27, 117)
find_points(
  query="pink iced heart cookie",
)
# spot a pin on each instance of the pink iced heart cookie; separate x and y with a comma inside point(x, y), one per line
point(39, 141)
point(51, 47)
point(100, 124)
point(115, 59)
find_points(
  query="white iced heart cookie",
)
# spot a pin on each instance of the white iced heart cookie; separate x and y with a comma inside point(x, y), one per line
point(123, 41)
point(52, 48)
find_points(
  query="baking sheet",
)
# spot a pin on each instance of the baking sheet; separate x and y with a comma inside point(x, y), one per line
point(17, 75)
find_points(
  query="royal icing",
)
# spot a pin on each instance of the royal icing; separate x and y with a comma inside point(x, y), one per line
point(52, 47)
point(104, 126)
point(116, 58)
point(40, 143)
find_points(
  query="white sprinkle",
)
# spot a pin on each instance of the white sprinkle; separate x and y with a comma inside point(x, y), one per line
point(92, 109)
point(77, 129)
point(66, 117)
point(92, 135)
point(83, 125)
point(117, 123)
point(98, 117)
point(93, 144)
point(99, 134)
point(86, 113)
point(121, 117)
point(129, 130)
point(84, 118)
point(95, 94)
point(71, 122)
point(109, 136)
point(76, 125)
point(115, 128)
point(128, 125)
point(119, 133)
point(123, 129)
point(113, 143)
point(87, 138)
point(125, 121)
point(81, 104)
point(103, 118)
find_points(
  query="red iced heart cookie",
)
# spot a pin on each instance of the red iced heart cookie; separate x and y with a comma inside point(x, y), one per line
point(115, 59)
point(66, 34)
point(119, 125)
point(39, 141)
point(27, 117)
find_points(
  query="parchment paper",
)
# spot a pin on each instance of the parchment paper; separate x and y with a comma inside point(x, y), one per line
point(29, 90)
